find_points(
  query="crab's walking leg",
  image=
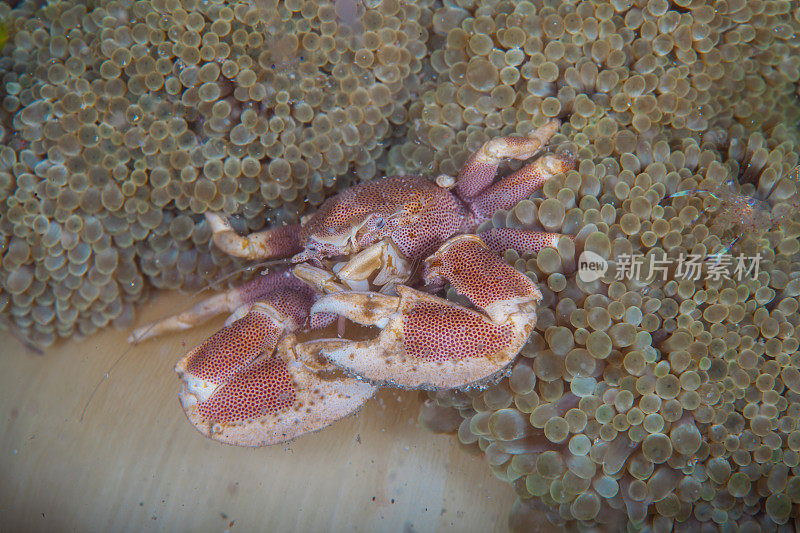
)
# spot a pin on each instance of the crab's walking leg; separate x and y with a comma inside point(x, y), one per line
point(237, 391)
point(268, 285)
point(499, 240)
point(276, 242)
point(428, 342)
point(480, 169)
point(506, 193)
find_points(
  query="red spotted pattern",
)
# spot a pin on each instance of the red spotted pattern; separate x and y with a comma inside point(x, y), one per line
point(270, 281)
point(280, 288)
point(521, 184)
point(282, 241)
point(499, 240)
point(322, 320)
point(418, 216)
point(480, 274)
point(474, 177)
point(413, 210)
point(416, 213)
point(263, 388)
point(233, 347)
point(477, 173)
point(441, 333)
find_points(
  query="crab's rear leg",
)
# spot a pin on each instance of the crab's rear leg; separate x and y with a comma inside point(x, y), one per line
point(237, 300)
point(275, 242)
point(480, 169)
point(519, 185)
point(428, 342)
point(238, 389)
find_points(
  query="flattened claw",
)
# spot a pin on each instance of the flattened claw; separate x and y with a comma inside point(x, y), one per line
point(483, 277)
point(237, 391)
point(231, 349)
point(427, 342)
point(274, 399)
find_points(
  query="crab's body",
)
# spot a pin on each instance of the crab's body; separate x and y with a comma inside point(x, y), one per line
point(415, 213)
point(253, 384)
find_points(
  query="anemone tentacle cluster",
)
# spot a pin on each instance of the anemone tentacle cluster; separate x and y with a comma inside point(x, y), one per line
point(606, 67)
point(649, 397)
point(123, 122)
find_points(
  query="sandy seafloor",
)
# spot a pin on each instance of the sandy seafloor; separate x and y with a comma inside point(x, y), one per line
point(135, 464)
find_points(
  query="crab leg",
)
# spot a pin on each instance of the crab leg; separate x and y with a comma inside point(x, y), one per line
point(499, 240)
point(519, 185)
point(266, 286)
point(426, 343)
point(276, 242)
point(480, 169)
point(236, 391)
point(429, 342)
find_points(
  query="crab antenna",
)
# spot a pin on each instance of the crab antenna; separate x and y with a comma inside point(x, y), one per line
point(690, 192)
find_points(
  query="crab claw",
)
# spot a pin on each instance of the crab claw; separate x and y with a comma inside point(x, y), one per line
point(237, 391)
point(426, 342)
point(483, 277)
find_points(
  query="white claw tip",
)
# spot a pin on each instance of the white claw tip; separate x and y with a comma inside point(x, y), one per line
point(217, 222)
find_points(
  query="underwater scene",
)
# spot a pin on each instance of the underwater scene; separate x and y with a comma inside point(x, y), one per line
point(429, 265)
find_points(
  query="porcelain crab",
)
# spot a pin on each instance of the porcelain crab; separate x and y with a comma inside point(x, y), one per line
point(260, 381)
